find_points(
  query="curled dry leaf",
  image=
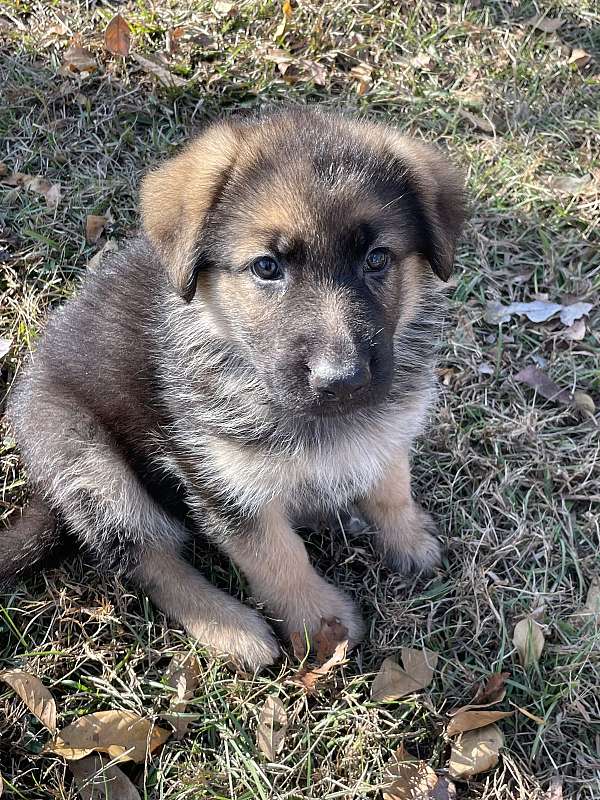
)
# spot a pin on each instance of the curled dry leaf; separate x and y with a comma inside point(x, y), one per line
point(97, 779)
point(122, 734)
point(475, 751)
point(308, 678)
point(579, 58)
point(471, 720)
point(94, 227)
point(415, 780)
point(393, 681)
point(492, 690)
point(536, 311)
point(272, 726)
point(183, 675)
point(154, 66)
point(78, 59)
point(543, 23)
point(117, 36)
point(34, 694)
point(363, 75)
point(529, 640)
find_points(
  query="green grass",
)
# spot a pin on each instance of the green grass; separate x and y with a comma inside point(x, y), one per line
point(513, 480)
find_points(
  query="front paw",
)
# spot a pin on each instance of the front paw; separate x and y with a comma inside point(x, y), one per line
point(305, 607)
point(413, 547)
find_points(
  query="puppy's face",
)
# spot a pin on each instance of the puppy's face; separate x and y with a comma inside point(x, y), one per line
point(315, 240)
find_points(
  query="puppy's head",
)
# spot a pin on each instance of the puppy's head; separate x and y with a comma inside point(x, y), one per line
point(311, 239)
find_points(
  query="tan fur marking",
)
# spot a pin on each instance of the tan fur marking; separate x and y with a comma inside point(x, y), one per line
point(276, 564)
point(403, 529)
point(215, 619)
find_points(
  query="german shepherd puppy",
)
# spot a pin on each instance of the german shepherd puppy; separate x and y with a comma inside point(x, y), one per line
point(265, 346)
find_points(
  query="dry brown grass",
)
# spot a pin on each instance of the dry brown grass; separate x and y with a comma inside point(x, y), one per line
point(513, 480)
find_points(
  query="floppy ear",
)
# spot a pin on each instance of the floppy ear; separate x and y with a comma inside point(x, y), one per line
point(176, 197)
point(439, 187)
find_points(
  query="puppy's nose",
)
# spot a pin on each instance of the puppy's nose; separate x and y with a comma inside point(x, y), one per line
point(339, 381)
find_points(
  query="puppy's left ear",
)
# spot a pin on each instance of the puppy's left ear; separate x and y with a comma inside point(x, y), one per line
point(177, 196)
point(439, 186)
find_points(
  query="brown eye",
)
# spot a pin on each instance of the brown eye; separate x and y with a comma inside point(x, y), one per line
point(377, 260)
point(267, 269)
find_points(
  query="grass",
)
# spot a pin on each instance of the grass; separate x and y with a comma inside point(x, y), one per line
point(513, 480)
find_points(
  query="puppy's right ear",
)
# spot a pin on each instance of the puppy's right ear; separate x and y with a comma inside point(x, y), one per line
point(176, 197)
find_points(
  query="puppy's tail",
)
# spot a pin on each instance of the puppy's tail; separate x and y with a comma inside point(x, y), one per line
point(29, 541)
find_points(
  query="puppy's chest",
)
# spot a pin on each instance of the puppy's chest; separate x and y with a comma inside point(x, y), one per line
point(319, 476)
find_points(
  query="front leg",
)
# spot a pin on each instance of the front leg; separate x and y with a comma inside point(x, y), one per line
point(274, 559)
point(405, 534)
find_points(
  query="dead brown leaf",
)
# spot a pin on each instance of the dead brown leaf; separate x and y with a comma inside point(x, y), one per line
point(529, 640)
point(124, 735)
point(97, 779)
point(555, 790)
point(327, 638)
point(543, 23)
point(3, 169)
point(577, 331)
point(471, 720)
point(117, 36)
point(363, 75)
point(579, 58)
point(110, 246)
point(415, 780)
point(183, 675)
point(590, 612)
point(393, 681)
point(572, 184)
point(537, 379)
point(308, 678)
point(475, 752)
point(154, 65)
point(78, 59)
point(477, 121)
point(34, 694)
point(492, 690)
point(529, 715)
point(272, 726)
point(35, 183)
point(94, 227)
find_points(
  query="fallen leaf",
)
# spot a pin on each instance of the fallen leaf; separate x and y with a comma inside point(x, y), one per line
point(5, 345)
point(3, 169)
point(122, 734)
point(117, 36)
point(584, 403)
point(222, 8)
point(97, 779)
point(393, 681)
point(95, 262)
point(415, 780)
point(576, 332)
point(272, 726)
point(591, 610)
point(475, 751)
point(94, 227)
point(154, 66)
point(529, 715)
point(478, 122)
point(574, 311)
point(471, 720)
point(422, 61)
point(183, 675)
point(529, 640)
point(35, 183)
point(316, 71)
point(308, 678)
point(579, 58)
point(327, 638)
point(34, 694)
point(492, 690)
point(363, 75)
point(78, 59)
point(287, 8)
point(545, 386)
point(571, 184)
point(545, 24)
